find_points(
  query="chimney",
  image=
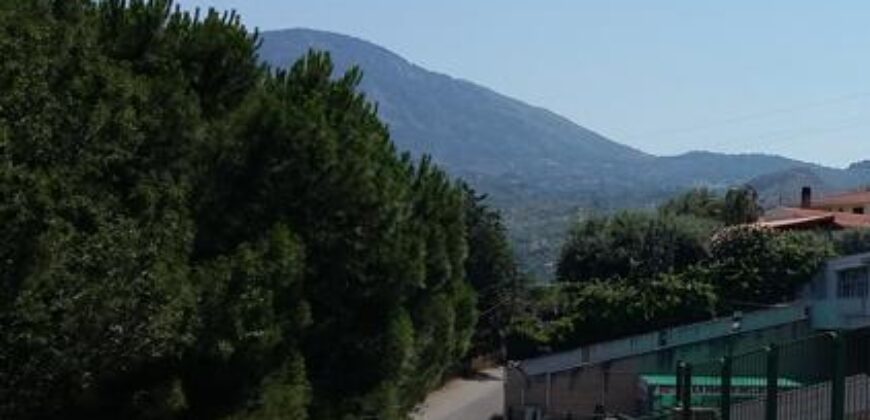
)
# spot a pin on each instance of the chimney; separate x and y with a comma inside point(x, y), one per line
point(806, 197)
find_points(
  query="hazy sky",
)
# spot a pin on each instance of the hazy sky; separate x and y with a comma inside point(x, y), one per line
point(789, 77)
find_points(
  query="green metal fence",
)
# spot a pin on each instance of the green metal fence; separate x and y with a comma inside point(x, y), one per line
point(819, 377)
point(824, 376)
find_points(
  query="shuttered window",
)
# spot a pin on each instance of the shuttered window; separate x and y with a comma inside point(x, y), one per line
point(852, 283)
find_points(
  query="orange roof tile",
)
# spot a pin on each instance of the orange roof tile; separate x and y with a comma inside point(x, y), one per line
point(785, 217)
point(798, 222)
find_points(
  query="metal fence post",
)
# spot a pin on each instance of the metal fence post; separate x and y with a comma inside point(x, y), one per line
point(679, 385)
point(772, 382)
point(687, 391)
point(725, 389)
point(838, 381)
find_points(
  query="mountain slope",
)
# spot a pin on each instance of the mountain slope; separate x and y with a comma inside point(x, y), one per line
point(784, 187)
point(718, 169)
point(468, 128)
point(541, 169)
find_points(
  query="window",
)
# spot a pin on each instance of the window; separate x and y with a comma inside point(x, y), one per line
point(852, 283)
point(858, 210)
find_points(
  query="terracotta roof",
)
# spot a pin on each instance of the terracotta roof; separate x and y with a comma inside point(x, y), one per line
point(845, 199)
point(790, 217)
point(799, 222)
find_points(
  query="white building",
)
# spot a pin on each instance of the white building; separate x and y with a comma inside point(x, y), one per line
point(838, 296)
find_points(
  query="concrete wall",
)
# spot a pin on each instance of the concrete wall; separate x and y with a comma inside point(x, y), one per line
point(615, 384)
point(576, 392)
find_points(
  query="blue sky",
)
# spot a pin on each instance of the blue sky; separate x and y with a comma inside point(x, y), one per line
point(790, 77)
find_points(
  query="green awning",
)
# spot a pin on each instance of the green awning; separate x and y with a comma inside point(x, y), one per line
point(704, 380)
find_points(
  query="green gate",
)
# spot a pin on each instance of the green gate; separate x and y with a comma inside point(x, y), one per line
point(819, 377)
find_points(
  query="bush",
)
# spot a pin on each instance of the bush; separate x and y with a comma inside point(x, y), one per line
point(852, 241)
point(602, 310)
point(633, 246)
point(755, 265)
point(655, 272)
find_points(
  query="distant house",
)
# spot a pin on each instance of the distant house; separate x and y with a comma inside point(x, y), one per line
point(854, 202)
point(841, 211)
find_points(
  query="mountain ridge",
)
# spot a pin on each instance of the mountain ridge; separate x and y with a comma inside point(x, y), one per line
point(389, 78)
point(319, 39)
point(541, 169)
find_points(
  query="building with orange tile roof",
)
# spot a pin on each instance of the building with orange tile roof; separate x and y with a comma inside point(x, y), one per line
point(840, 211)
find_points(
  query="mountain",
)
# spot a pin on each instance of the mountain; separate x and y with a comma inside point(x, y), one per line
point(784, 187)
point(718, 169)
point(863, 165)
point(465, 127)
point(543, 170)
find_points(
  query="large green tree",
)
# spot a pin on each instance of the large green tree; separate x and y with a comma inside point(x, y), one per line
point(739, 205)
point(187, 234)
point(632, 245)
point(699, 202)
point(752, 265)
point(492, 271)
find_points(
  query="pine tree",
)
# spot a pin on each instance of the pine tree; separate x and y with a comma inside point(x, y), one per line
point(187, 233)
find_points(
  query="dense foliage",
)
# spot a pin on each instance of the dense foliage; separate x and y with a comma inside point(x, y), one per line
point(494, 274)
point(632, 245)
point(738, 205)
point(852, 241)
point(741, 206)
point(188, 234)
point(699, 202)
point(636, 272)
point(576, 314)
point(754, 266)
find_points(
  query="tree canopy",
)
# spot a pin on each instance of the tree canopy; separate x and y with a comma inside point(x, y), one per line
point(493, 273)
point(756, 266)
point(699, 202)
point(634, 272)
point(632, 245)
point(738, 205)
point(188, 234)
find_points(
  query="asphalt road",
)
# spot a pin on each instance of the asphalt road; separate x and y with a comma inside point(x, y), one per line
point(478, 398)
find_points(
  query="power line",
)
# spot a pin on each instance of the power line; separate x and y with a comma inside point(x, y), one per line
point(756, 115)
point(778, 136)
